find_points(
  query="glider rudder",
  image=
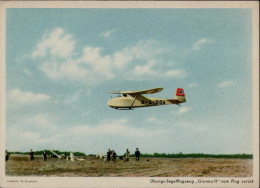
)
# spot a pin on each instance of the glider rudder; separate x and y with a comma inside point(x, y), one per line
point(180, 95)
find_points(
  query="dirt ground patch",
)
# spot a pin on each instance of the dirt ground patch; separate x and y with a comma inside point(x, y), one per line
point(146, 167)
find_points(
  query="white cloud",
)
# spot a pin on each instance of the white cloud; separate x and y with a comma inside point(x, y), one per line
point(26, 71)
point(198, 44)
point(36, 139)
point(71, 99)
point(192, 85)
point(39, 120)
point(225, 84)
point(150, 70)
point(121, 58)
point(57, 43)
point(192, 125)
point(142, 60)
point(152, 119)
point(107, 34)
point(22, 98)
point(33, 131)
point(184, 124)
point(176, 73)
point(37, 133)
point(98, 64)
point(30, 135)
point(144, 51)
point(70, 69)
point(145, 70)
point(43, 122)
point(182, 110)
point(114, 128)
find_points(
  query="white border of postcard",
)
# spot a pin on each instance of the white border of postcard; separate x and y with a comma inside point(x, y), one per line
point(12, 181)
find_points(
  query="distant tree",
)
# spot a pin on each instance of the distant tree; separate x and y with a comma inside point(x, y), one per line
point(178, 155)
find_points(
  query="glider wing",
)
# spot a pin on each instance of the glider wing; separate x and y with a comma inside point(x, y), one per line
point(147, 91)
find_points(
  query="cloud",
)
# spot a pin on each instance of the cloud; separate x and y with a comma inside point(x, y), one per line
point(145, 70)
point(151, 69)
point(57, 43)
point(182, 110)
point(148, 72)
point(36, 133)
point(39, 120)
point(36, 139)
point(225, 84)
point(70, 70)
point(98, 64)
point(143, 60)
point(184, 124)
point(198, 44)
point(33, 131)
point(26, 71)
point(115, 128)
point(72, 99)
point(43, 122)
point(152, 119)
point(22, 98)
point(175, 73)
point(30, 139)
point(141, 53)
point(107, 34)
point(192, 85)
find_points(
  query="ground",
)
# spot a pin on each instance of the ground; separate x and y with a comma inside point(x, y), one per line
point(20, 165)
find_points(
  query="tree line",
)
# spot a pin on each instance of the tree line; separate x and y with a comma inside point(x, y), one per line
point(163, 155)
point(199, 155)
point(49, 153)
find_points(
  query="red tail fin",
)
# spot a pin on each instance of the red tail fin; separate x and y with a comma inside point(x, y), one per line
point(180, 92)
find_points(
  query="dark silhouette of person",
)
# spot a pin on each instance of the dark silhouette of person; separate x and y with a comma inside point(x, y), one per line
point(137, 154)
point(114, 156)
point(44, 155)
point(31, 155)
point(108, 155)
point(7, 155)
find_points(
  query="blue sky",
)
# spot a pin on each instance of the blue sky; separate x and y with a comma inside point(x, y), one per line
point(62, 63)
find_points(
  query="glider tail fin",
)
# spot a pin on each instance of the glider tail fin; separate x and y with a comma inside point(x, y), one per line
point(180, 95)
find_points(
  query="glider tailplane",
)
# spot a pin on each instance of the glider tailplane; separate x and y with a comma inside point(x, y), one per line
point(180, 95)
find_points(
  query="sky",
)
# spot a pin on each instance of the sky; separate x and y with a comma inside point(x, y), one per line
point(62, 63)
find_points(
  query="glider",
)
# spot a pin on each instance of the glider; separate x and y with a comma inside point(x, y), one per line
point(135, 99)
point(71, 157)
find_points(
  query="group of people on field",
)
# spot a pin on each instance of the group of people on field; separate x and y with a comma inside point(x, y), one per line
point(111, 155)
point(44, 154)
point(31, 154)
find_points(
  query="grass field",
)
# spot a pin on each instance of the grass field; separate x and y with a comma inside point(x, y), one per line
point(146, 167)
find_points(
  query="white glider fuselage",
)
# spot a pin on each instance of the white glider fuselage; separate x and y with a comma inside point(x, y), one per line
point(127, 102)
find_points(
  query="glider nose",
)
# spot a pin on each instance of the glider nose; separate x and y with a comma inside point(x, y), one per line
point(110, 103)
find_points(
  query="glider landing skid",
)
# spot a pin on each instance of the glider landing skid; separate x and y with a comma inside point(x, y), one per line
point(122, 108)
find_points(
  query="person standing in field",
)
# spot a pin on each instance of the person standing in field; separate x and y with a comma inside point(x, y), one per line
point(114, 156)
point(44, 155)
point(31, 155)
point(137, 154)
point(127, 155)
point(108, 155)
point(7, 155)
